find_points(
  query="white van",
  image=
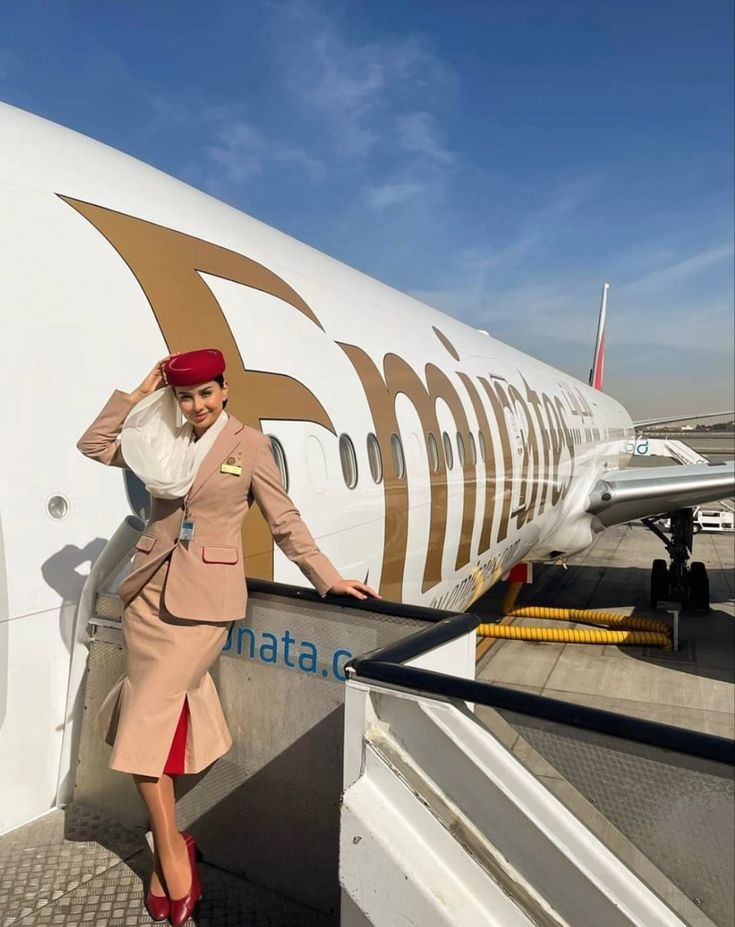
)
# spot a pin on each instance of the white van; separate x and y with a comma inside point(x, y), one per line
point(713, 520)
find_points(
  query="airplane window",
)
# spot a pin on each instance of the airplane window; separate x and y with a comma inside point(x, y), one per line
point(473, 449)
point(483, 448)
point(348, 459)
point(375, 458)
point(399, 461)
point(138, 498)
point(433, 451)
point(448, 451)
point(279, 455)
point(460, 450)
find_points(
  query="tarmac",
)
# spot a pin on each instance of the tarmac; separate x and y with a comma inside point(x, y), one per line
point(691, 688)
point(669, 816)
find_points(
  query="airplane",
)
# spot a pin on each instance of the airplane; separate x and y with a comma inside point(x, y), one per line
point(425, 456)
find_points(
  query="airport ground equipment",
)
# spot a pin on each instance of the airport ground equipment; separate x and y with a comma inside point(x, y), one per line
point(680, 451)
point(622, 629)
point(713, 519)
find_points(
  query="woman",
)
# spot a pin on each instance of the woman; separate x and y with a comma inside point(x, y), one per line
point(186, 584)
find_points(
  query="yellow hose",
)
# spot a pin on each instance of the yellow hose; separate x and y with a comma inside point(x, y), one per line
point(630, 629)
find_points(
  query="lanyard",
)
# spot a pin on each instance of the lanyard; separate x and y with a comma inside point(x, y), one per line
point(187, 523)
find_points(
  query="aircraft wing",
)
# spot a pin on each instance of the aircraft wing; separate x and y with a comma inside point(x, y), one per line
point(679, 418)
point(637, 492)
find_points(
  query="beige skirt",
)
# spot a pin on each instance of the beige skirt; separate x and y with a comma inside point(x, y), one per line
point(166, 660)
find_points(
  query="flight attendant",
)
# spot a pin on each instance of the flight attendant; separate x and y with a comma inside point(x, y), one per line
point(163, 717)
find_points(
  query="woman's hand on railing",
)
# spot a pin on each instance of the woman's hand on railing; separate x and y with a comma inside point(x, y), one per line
point(354, 588)
point(155, 380)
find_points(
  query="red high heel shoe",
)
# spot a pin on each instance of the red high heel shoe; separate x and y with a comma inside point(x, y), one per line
point(157, 906)
point(181, 908)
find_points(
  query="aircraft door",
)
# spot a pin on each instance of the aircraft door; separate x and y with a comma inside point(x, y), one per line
point(517, 443)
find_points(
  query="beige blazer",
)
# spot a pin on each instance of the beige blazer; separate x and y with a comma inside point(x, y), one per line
point(205, 578)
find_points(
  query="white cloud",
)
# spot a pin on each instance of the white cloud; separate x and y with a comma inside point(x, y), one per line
point(365, 114)
point(536, 230)
point(238, 148)
point(550, 317)
point(315, 168)
point(417, 133)
point(390, 194)
point(356, 86)
point(358, 89)
point(235, 146)
point(682, 268)
point(168, 111)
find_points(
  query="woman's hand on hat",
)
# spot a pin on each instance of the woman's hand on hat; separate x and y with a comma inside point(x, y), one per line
point(156, 379)
point(354, 588)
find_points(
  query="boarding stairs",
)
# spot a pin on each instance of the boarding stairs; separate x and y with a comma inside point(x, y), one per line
point(672, 448)
point(373, 781)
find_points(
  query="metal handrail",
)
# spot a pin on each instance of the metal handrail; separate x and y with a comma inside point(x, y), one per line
point(388, 665)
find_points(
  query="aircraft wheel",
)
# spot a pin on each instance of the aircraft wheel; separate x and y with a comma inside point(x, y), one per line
point(698, 587)
point(696, 528)
point(659, 582)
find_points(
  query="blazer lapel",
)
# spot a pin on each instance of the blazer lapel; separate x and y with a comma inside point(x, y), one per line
point(226, 442)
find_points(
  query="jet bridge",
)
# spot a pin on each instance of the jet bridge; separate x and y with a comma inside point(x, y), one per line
point(373, 779)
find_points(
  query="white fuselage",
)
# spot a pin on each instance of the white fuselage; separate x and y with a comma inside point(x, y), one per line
point(108, 265)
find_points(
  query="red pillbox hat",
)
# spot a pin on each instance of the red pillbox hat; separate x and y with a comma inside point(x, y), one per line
point(194, 367)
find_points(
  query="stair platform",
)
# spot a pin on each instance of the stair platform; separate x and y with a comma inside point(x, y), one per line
point(77, 868)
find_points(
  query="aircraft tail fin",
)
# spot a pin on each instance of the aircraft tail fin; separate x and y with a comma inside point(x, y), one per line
point(598, 362)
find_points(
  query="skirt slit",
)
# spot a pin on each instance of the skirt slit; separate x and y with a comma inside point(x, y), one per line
point(176, 762)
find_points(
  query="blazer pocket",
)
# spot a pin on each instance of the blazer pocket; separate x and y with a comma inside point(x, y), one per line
point(145, 543)
point(219, 554)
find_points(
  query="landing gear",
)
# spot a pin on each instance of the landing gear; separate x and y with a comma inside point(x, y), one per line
point(698, 587)
point(659, 582)
point(679, 580)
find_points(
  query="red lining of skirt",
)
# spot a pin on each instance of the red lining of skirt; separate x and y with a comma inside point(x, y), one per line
point(177, 754)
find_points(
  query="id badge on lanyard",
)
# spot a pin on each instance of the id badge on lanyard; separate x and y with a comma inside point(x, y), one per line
point(187, 525)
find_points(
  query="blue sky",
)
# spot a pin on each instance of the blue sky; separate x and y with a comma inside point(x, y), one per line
point(498, 160)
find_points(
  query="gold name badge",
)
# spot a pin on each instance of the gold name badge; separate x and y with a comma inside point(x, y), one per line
point(234, 469)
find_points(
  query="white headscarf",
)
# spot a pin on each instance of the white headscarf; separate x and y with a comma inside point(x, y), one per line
point(160, 450)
